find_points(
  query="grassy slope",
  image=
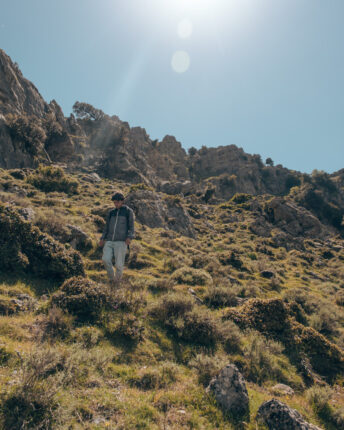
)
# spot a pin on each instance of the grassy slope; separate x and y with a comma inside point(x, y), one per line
point(110, 381)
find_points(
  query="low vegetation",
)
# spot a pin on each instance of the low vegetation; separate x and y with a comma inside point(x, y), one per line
point(75, 354)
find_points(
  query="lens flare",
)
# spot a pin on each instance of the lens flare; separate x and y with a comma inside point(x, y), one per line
point(180, 61)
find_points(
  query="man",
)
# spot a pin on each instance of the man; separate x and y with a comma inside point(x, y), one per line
point(117, 235)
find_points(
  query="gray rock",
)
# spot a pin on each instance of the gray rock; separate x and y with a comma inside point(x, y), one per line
point(230, 391)
point(283, 389)
point(279, 416)
point(293, 219)
point(92, 177)
point(176, 187)
point(78, 239)
point(154, 211)
point(27, 213)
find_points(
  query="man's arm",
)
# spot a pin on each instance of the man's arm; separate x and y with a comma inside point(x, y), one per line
point(131, 227)
point(105, 231)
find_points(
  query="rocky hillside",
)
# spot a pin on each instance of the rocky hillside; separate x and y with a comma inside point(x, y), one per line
point(230, 314)
point(33, 131)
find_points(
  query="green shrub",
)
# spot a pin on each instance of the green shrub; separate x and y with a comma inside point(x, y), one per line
point(319, 397)
point(23, 247)
point(161, 285)
point(307, 301)
point(231, 337)
point(272, 318)
point(128, 300)
point(88, 336)
point(199, 261)
point(139, 187)
point(338, 417)
point(231, 259)
point(265, 362)
point(52, 224)
point(173, 305)
point(340, 298)
point(5, 355)
point(31, 402)
point(324, 321)
point(186, 321)
point(28, 131)
point(129, 327)
point(8, 306)
point(207, 367)
point(190, 276)
point(220, 297)
point(154, 378)
point(56, 324)
point(198, 326)
point(82, 298)
point(51, 178)
point(240, 198)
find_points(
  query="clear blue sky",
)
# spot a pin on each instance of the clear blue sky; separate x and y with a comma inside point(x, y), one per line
point(265, 75)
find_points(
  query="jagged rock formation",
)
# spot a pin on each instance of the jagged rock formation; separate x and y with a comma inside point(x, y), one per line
point(277, 415)
point(17, 94)
point(20, 98)
point(153, 211)
point(33, 131)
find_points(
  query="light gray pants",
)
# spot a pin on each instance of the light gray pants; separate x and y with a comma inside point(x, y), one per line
point(118, 250)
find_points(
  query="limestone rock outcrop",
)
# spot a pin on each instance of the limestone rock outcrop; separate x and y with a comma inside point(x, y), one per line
point(279, 416)
point(154, 211)
point(230, 391)
point(293, 219)
point(17, 94)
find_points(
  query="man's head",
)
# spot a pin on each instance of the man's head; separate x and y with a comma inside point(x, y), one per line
point(118, 199)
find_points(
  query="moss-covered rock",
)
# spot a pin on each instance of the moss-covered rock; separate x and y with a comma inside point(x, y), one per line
point(274, 318)
point(23, 247)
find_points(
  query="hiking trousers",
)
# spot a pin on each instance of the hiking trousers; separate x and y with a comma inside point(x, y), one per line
point(118, 250)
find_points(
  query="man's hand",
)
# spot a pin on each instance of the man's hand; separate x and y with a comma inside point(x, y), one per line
point(101, 243)
point(127, 241)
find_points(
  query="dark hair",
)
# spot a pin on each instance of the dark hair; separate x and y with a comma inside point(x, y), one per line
point(117, 196)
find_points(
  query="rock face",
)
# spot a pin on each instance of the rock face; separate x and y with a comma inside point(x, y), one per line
point(293, 219)
point(17, 94)
point(230, 391)
point(278, 416)
point(154, 211)
point(111, 148)
point(283, 390)
point(19, 97)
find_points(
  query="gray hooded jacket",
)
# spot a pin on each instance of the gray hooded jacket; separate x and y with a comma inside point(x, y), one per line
point(119, 224)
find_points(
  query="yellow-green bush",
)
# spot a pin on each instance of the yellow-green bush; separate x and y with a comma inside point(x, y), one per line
point(190, 276)
point(82, 298)
point(51, 178)
point(23, 247)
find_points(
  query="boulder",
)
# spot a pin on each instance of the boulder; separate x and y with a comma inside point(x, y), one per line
point(78, 239)
point(27, 213)
point(282, 389)
point(279, 416)
point(154, 211)
point(293, 219)
point(176, 187)
point(230, 391)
